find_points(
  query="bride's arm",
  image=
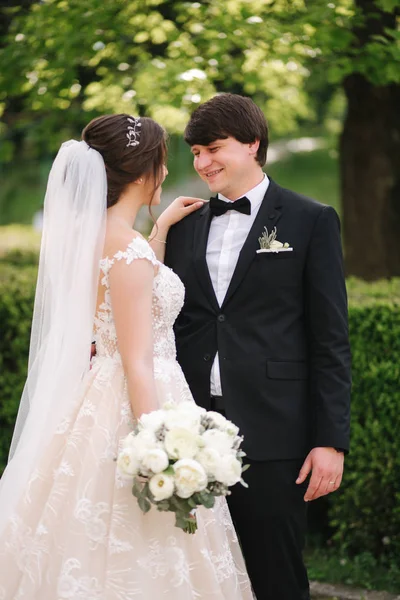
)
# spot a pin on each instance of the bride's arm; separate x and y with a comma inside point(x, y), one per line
point(176, 211)
point(131, 300)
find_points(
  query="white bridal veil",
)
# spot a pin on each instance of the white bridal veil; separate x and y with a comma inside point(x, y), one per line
point(65, 302)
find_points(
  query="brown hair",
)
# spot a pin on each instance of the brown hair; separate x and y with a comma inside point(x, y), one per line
point(229, 115)
point(124, 164)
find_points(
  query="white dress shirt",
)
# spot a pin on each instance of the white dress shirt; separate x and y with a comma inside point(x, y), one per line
point(228, 232)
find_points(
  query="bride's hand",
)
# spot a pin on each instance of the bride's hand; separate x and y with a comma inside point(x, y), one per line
point(178, 209)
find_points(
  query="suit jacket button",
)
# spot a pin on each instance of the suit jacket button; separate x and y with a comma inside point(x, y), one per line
point(207, 357)
point(221, 318)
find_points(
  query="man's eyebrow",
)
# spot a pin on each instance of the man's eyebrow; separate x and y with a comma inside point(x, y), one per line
point(194, 147)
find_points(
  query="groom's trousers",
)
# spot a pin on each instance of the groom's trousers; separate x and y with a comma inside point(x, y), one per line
point(270, 519)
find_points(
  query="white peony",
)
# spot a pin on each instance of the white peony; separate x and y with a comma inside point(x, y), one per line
point(181, 443)
point(232, 429)
point(155, 460)
point(129, 440)
point(218, 440)
point(128, 463)
point(183, 417)
point(218, 420)
point(229, 470)
point(190, 477)
point(152, 420)
point(161, 486)
point(190, 406)
point(209, 460)
point(143, 441)
point(169, 405)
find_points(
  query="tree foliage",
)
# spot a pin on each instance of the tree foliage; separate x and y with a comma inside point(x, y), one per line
point(163, 57)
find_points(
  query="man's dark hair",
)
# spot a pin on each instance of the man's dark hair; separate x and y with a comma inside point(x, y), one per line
point(229, 115)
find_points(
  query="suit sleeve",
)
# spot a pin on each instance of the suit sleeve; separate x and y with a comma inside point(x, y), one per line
point(174, 241)
point(327, 327)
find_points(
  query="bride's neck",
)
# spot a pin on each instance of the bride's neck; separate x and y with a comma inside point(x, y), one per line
point(125, 210)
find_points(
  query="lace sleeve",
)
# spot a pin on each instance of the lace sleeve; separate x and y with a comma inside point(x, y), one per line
point(138, 248)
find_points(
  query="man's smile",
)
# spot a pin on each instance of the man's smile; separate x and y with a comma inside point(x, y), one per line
point(212, 173)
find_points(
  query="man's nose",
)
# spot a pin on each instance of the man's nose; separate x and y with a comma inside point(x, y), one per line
point(203, 161)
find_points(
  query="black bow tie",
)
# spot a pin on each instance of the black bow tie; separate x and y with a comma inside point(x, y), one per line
point(219, 207)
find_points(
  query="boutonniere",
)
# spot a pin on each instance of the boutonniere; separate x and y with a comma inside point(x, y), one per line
point(269, 243)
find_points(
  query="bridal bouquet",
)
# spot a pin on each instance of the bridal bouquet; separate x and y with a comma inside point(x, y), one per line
point(181, 457)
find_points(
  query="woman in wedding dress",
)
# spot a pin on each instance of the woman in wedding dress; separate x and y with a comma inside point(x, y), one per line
point(69, 525)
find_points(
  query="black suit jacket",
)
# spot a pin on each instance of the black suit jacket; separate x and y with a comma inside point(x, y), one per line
point(281, 332)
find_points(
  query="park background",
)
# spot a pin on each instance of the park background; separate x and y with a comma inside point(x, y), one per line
point(327, 76)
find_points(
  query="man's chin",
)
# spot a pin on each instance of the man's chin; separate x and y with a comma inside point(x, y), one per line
point(213, 186)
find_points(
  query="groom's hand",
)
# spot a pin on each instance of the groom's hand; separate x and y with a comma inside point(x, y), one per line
point(326, 468)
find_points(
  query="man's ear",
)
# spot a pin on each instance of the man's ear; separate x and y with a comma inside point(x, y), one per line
point(253, 147)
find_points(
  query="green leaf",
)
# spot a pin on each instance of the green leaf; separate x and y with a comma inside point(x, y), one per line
point(144, 504)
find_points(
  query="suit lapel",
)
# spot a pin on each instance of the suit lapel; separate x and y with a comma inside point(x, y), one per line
point(201, 232)
point(268, 216)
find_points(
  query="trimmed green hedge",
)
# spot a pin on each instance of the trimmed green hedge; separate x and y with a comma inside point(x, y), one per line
point(365, 513)
point(17, 290)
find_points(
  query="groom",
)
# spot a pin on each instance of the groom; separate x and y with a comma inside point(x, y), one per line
point(263, 336)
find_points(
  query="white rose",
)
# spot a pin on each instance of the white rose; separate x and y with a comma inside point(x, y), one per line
point(229, 470)
point(153, 420)
point(209, 459)
point(181, 443)
point(275, 244)
point(128, 463)
point(219, 440)
point(161, 486)
point(155, 460)
point(190, 477)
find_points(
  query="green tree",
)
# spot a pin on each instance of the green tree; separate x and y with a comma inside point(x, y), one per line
point(66, 61)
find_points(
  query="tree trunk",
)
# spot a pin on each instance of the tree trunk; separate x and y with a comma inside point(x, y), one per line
point(370, 170)
point(370, 179)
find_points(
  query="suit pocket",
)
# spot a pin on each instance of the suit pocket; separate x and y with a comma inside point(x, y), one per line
point(275, 256)
point(287, 370)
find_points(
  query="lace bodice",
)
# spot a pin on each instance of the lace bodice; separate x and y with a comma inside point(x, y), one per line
point(168, 296)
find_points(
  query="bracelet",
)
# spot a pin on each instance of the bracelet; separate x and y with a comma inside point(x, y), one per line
point(157, 240)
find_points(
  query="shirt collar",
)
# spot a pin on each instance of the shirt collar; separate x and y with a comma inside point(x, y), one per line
point(255, 195)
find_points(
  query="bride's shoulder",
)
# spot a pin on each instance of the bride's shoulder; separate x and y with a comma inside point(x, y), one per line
point(122, 243)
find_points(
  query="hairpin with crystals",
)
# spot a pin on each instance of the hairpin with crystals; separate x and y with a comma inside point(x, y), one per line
point(133, 132)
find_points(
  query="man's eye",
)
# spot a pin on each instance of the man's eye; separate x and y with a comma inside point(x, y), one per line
point(214, 149)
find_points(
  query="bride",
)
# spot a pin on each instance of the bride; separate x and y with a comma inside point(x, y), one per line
point(69, 526)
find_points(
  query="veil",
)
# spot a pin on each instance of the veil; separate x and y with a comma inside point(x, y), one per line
point(65, 303)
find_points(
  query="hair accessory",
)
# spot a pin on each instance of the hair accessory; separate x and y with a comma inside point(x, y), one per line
point(133, 133)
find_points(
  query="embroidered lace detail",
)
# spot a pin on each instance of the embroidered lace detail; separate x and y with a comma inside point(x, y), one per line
point(166, 561)
point(78, 533)
point(168, 297)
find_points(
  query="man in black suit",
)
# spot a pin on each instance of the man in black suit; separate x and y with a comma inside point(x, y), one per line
point(263, 336)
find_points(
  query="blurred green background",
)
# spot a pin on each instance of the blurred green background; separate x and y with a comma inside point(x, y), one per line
point(326, 74)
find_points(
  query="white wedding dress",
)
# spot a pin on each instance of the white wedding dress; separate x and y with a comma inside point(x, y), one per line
point(78, 532)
